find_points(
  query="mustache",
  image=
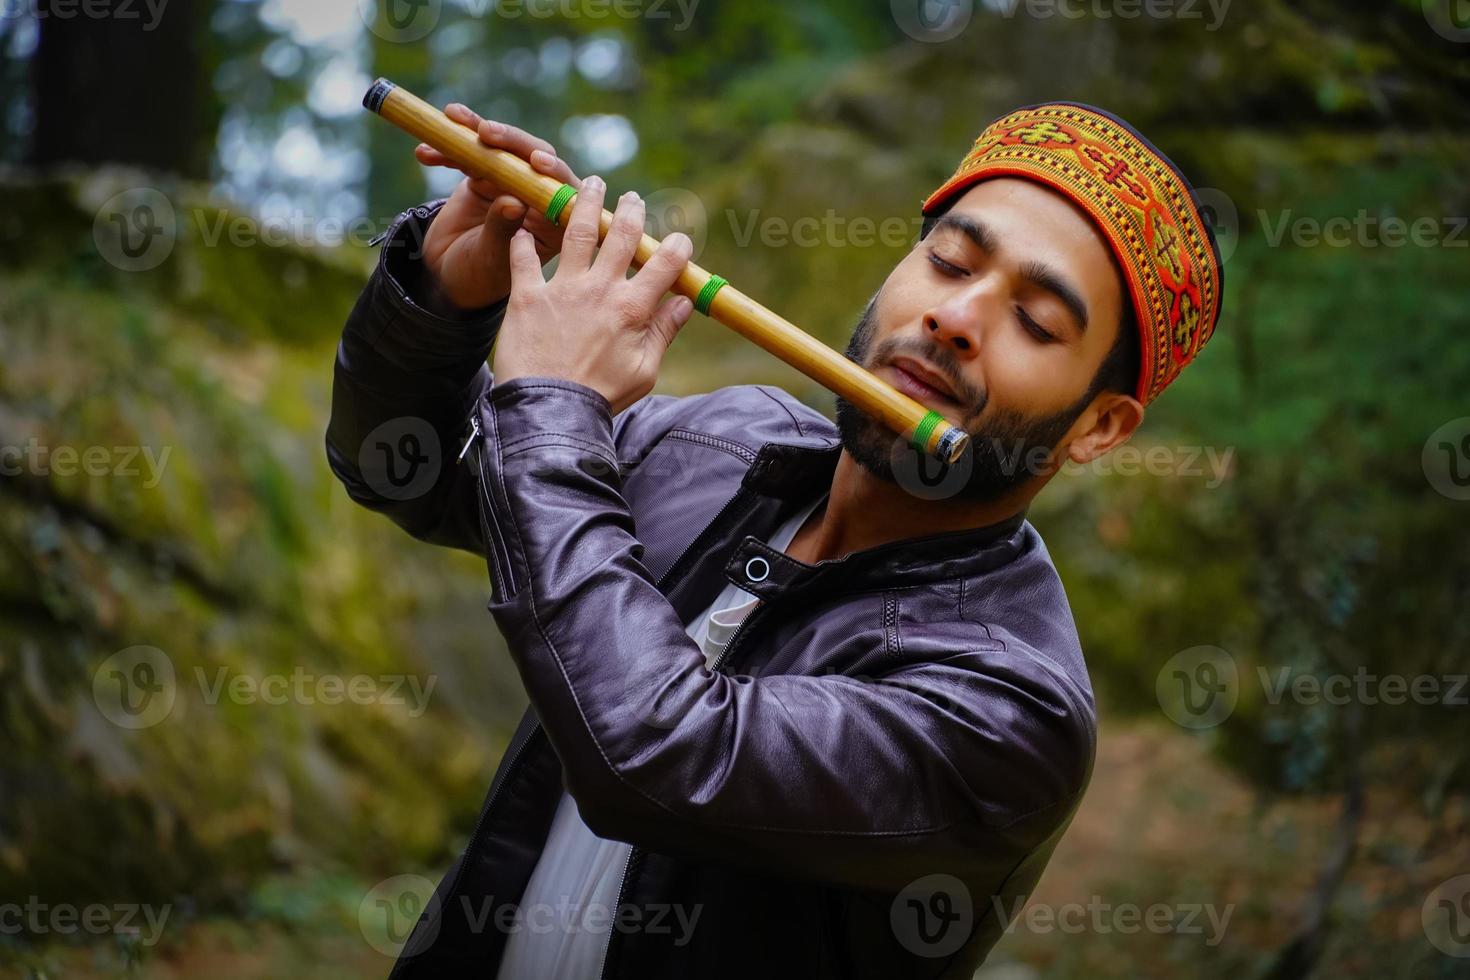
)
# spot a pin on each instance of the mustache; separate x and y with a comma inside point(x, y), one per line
point(940, 358)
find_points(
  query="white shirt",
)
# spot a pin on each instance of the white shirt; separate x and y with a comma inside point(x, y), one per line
point(569, 906)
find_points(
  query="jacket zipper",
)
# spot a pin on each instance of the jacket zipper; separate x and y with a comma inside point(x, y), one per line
point(736, 636)
point(500, 556)
point(471, 439)
point(677, 566)
point(716, 666)
point(617, 903)
point(479, 828)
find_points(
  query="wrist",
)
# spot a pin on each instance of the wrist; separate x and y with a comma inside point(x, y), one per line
point(439, 301)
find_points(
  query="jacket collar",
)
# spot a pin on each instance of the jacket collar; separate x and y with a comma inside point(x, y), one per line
point(794, 472)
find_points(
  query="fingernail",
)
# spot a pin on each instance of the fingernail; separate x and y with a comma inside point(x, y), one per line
point(683, 306)
point(594, 183)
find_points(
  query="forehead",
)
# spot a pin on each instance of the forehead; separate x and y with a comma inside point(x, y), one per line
point(1033, 223)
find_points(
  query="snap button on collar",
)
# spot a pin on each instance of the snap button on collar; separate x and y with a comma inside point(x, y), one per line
point(757, 569)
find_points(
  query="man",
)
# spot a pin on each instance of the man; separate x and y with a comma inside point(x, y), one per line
point(802, 704)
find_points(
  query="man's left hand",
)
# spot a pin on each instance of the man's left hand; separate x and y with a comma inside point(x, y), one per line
point(591, 323)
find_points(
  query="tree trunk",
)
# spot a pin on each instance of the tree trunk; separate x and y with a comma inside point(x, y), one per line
point(126, 89)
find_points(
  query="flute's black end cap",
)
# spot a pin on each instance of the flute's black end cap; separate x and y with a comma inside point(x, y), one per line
point(373, 101)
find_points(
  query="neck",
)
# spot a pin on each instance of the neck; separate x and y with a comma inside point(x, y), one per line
point(863, 511)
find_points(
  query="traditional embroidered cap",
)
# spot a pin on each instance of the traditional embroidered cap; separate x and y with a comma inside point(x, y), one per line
point(1140, 201)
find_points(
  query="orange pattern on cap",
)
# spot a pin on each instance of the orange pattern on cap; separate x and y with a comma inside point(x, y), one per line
point(1142, 204)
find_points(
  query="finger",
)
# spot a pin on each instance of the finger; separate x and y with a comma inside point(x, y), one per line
point(525, 267)
point(661, 271)
point(504, 217)
point(431, 157)
point(580, 239)
point(554, 166)
point(486, 190)
point(511, 138)
point(460, 113)
point(622, 239)
point(670, 318)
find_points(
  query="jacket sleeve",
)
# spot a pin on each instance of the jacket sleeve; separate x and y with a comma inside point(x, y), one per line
point(402, 388)
point(405, 381)
point(959, 765)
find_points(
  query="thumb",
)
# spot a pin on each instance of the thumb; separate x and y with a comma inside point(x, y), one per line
point(670, 318)
point(503, 218)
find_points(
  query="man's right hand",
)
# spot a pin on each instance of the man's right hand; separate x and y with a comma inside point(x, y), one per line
point(467, 247)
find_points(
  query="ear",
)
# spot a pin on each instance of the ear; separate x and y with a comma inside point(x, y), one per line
point(1109, 421)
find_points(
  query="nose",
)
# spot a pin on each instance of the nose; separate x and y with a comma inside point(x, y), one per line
point(955, 323)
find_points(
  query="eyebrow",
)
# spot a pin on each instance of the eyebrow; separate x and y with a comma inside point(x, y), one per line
point(1038, 274)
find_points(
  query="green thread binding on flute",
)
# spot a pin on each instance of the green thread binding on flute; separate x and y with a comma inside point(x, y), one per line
point(707, 294)
point(924, 429)
point(559, 201)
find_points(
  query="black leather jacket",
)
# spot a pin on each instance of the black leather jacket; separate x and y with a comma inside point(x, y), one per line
point(875, 771)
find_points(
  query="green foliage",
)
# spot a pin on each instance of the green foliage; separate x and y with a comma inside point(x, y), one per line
point(227, 544)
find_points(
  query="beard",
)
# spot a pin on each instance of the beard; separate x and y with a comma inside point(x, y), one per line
point(1003, 453)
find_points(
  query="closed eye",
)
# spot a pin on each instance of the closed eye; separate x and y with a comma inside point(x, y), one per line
point(946, 268)
point(1036, 330)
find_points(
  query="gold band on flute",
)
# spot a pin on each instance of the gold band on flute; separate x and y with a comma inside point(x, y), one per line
point(926, 430)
